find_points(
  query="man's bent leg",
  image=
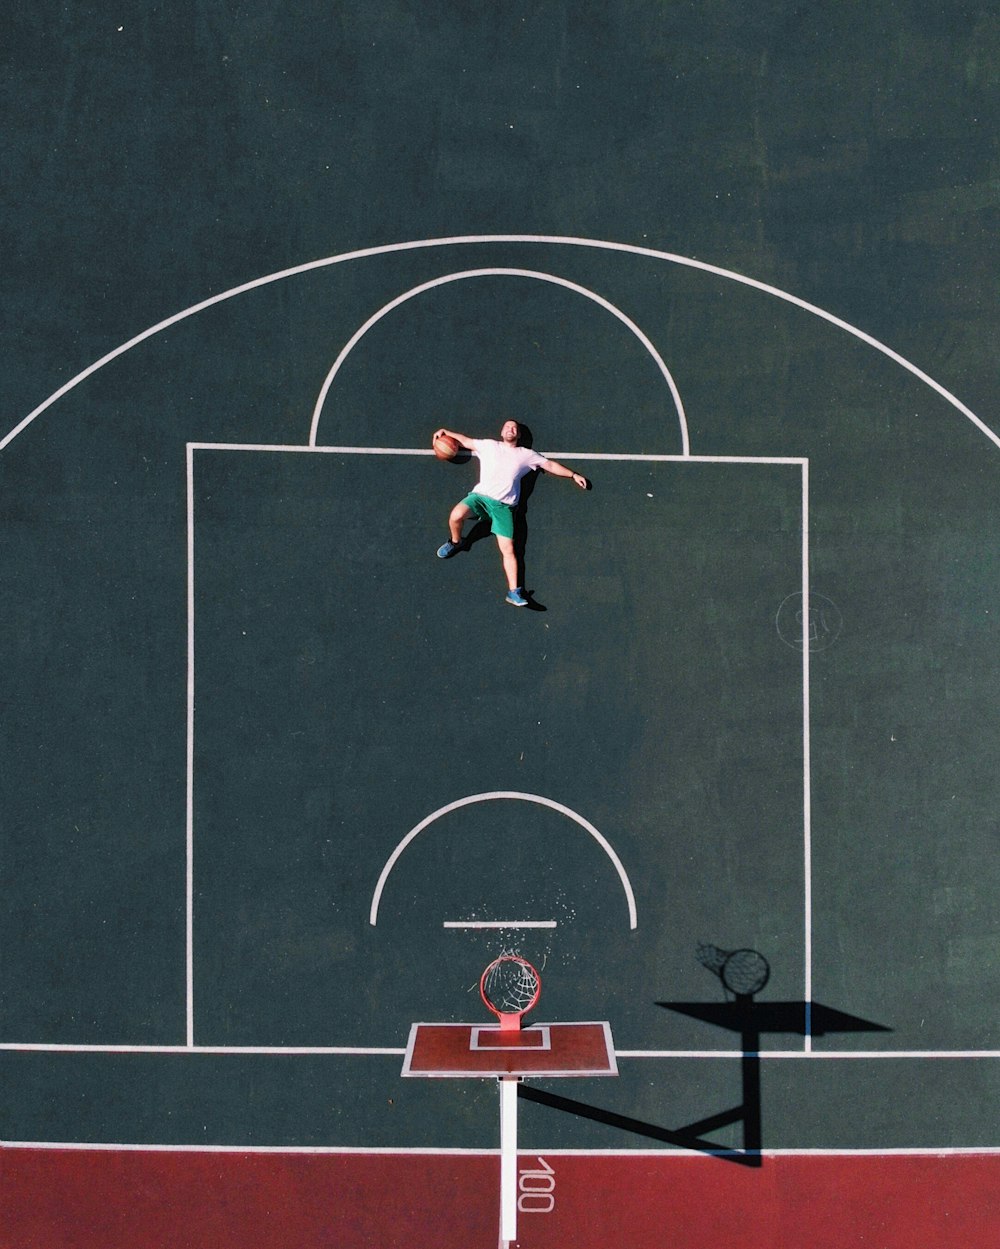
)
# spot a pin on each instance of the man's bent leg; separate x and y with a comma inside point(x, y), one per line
point(455, 521)
point(459, 515)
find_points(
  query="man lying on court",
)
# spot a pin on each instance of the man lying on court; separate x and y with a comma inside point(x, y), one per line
point(495, 496)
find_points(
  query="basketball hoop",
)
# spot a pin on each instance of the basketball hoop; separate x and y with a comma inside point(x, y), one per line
point(510, 987)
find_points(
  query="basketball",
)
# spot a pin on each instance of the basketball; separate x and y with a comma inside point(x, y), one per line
point(445, 447)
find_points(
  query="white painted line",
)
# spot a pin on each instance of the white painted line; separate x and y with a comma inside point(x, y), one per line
point(493, 272)
point(334, 1150)
point(678, 459)
point(499, 923)
point(508, 1159)
point(667, 1154)
point(362, 1051)
point(382, 1151)
point(538, 1040)
point(513, 795)
point(619, 456)
point(359, 1051)
point(817, 1055)
point(189, 753)
point(806, 763)
point(677, 1154)
point(296, 448)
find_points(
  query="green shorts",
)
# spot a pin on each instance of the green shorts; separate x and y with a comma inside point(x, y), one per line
point(500, 515)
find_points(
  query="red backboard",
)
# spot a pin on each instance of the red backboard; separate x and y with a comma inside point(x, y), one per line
point(455, 1050)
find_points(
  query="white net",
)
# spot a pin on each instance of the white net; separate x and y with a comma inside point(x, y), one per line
point(510, 985)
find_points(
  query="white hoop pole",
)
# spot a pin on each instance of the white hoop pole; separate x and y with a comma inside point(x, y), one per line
point(508, 1159)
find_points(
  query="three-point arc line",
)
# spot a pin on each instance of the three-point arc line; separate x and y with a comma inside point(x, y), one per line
point(466, 240)
point(472, 800)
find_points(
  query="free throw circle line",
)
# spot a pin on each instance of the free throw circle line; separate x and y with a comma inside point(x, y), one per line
point(462, 275)
point(515, 796)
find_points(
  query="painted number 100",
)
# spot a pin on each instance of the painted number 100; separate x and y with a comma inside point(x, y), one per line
point(536, 1189)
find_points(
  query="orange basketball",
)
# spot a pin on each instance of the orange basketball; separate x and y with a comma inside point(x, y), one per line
point(445, 447)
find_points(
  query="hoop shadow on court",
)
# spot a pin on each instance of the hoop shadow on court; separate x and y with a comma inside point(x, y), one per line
point(743, 974)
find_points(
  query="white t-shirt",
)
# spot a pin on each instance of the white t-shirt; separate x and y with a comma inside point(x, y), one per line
point(501, 468)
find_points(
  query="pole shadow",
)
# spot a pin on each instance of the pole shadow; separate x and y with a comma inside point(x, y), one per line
point(743, 974)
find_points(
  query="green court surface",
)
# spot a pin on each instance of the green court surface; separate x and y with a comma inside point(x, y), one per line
point(278, 782)
point(649, 760)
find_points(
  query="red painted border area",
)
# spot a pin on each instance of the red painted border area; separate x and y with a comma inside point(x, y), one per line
point(100, 1199)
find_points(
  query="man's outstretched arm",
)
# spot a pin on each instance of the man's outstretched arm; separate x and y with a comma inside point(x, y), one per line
point(560, 470)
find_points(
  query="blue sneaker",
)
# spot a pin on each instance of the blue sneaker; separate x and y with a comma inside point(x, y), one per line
point(449, 548)
point(516, 598)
